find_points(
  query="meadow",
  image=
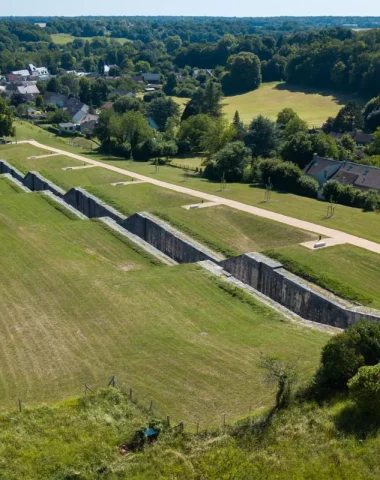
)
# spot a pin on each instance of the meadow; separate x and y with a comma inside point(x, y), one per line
point(79, 305)
point(313, 106)
point(65, 38)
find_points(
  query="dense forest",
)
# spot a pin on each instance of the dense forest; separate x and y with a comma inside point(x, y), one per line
point(295, 50)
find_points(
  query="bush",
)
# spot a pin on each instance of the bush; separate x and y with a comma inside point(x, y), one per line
point(364, 389)
point(345, 353)
point(351, 196)
point(308, 186)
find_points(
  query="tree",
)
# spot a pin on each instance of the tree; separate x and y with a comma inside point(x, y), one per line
point(239, 126)
point(229, 163)
point(217, 136)
point(374, 147)
point(131, 127)
point(345, 353)
point(171, 84)
point(282, 375)
point(206, 99)
point(161, 109)
point(325, 146)
point(373, 120)
point(244, 73)
point(40, 101)
point(126, 103)
point(191, 132)
point(173, 43)
point(349, 118)
point(99, 91)
point(295, 125)
point(262, 137)
point(53, 85)
point(85, 90)
point(59, 116)
point(298, 149)
point(6, 120)
point(285, 116)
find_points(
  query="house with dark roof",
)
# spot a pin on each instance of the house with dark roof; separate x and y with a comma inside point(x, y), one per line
point(76, 109)
point(360, 176)
point(322, 169)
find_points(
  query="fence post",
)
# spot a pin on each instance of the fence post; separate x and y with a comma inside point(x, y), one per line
point(20, 405)
point(224, 420)
point(130, 394)
point(151, 405)
point(197, 428)
point(168, 420)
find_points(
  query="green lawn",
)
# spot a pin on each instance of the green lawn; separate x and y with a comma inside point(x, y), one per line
point(346, 219)
point(78, 306)
point(141, 197)
point(343, 269)
point(62, 38)
point(313, 106)
point(65, 38)
point(81, 178)
point(232, 232)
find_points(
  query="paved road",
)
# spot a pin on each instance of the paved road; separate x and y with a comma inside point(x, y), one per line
point(278, 217)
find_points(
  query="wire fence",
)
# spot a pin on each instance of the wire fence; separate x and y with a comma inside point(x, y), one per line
point(149, 406)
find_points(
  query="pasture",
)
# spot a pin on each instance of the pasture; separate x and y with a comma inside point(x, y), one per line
point(313, 106)
point(79, 305)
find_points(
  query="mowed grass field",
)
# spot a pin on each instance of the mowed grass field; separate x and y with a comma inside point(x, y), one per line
point(65, 38)
point(346, 219)
point(342, 268)
point(79, 305)
point(232, 232)
point(129, 199)
point(313, 106)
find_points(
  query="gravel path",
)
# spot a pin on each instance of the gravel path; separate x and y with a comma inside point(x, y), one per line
point(278, 217)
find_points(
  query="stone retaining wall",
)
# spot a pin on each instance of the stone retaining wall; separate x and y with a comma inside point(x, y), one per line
point(274, 281)
point(168, 240)
point(91, 206)
point(6, 167)
point(37, 183)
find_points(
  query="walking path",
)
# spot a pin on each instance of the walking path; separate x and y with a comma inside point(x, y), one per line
point(277, 217)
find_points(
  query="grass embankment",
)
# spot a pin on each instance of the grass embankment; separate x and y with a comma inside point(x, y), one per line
point(7, 186)
point(232, 232)
point(65, 38)
point(80, 439)
point(79, 306)
point(312, 105)
point(346, 219)
point(349, 272)
point(141, 197)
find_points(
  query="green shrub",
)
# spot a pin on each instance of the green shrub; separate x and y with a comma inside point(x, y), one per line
point(308, 186)
point(364, 389)
point(345, 353)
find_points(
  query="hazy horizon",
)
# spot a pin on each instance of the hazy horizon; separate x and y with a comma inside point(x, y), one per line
point(239, 8)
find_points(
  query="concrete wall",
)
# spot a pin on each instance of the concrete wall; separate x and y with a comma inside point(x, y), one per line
point(36, 182)
point(271, 279)
point(91, 206)
point(168, 240)
point(6, 167)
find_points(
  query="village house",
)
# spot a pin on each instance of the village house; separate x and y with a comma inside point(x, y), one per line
point(360, 176)
point(76, 109)
point(68, 128)
point(151, 77)
point(51, 98)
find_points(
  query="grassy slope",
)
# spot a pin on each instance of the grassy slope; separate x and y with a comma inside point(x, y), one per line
point(79, 306)
point(140, 197)
point(233, 232)
point(347, 219)
point(79, 439)
point(343, 269)
point(7, 187)
point(313, 106)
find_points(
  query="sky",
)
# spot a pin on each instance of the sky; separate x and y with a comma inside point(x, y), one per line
point(235, 8)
